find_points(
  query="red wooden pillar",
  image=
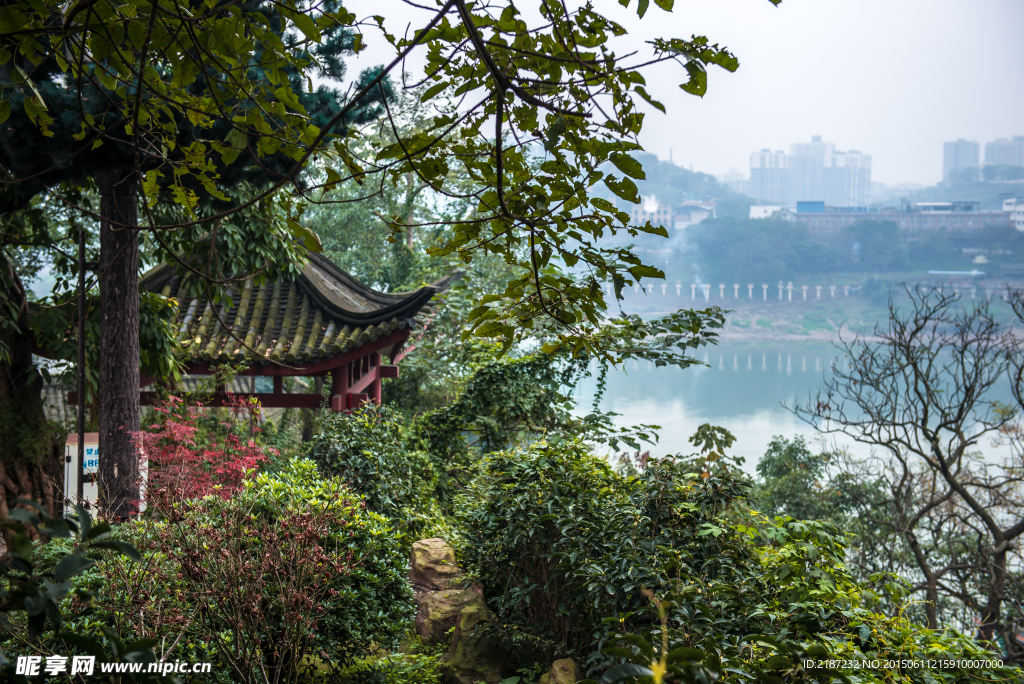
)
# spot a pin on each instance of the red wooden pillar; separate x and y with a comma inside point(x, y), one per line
point(375, 385)
point(339, 388)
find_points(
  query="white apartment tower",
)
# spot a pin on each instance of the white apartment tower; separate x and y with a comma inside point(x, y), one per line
point(813, 170)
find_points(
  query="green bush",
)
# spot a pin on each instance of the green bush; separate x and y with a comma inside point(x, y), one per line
point(292, 572)
point(365, 450)
point(561, 541)
point(398, 668)
point(571, 553)
point(316, 565)
point(796, 602)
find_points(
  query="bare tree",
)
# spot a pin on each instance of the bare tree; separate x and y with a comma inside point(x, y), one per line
point(921, 390)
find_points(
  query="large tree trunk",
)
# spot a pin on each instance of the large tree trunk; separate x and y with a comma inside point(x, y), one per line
point(119, 343)
point(30, 446)
point(990, 615)
point(931, 602)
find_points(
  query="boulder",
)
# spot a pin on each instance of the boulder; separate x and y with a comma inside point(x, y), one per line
point(438, 611)
point(475, 655)
point(432, 565)
point(562, 672)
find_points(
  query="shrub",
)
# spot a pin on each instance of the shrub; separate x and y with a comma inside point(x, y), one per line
point(795, 603)
point(36, 579)
point(364, 449)
point(188, 460)
point(561, 541)
point(290, 572)
point(571, 551)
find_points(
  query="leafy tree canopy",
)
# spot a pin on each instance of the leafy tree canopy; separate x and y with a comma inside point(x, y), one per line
point(197, 97)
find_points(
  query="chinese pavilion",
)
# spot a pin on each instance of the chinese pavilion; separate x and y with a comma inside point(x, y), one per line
point(319, 323)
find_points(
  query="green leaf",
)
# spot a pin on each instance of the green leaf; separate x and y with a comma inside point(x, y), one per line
point(433, 90)
point(665, 4)
point(84, 521)
point(644, 271)
point(309, 238)
point(27, 517)
point(625, 188)
point(698, 83)
point(641, 8)
point(303, 22)
point(122, 547)
point(71, 565)
point(625, 671)
point(684, 653)
point(628, 165)
point(137, 34)
point(99, 530)
point(650, 100)
point(5, 110)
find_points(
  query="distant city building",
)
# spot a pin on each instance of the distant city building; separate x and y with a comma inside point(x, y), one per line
point(769, 176)
point(763, 211)
point(811, 171)
point(1004, 151)
point(956, 217)
point(1015, 206)
point(736, 181)
point(664, 215)
point(959, 154)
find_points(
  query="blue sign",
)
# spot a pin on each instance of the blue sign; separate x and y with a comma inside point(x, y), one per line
point(91, 464)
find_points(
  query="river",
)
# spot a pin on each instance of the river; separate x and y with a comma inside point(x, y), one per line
point(745, 388)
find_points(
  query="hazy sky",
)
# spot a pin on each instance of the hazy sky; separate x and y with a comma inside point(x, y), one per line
point(891, 78)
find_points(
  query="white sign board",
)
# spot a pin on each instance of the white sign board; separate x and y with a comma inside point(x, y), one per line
point(90, 492)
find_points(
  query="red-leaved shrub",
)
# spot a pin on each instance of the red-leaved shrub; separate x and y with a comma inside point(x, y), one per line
point(191, 455)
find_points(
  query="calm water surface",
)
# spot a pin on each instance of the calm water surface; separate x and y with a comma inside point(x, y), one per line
point(745, 389)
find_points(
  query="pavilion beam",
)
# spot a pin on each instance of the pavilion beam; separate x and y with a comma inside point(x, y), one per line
point(318, 368)
point(366, 381)
point(266, 400)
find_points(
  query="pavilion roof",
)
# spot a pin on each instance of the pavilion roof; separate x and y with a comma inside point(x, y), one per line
point(320, 312)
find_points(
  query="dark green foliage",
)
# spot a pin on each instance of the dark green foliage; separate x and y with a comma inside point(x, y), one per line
point(512, 402)
point(794, 602)
point(762, 251)
point(365, 449)
point(242, 579)
point(35, 578)
point(793, 482)
point(569, 542)
point(567, 548)
point(1001, 172)
point(503, 403)
point(373, 603)
point(882, 248)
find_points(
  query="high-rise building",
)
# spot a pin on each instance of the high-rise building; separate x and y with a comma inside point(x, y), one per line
point(811, 171)
point(1005, 151)
point(769, 177)
point(959, 154)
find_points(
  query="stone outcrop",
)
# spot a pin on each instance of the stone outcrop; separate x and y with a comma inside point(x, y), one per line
point(432, 566)
point(443, 604)
point(562, 672)
point(438, 611)
point(475, 654)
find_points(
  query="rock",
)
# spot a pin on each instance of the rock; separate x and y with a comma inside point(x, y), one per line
point(475, 655)
point(438, 611)
point(562, 672)
point(432, 565)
